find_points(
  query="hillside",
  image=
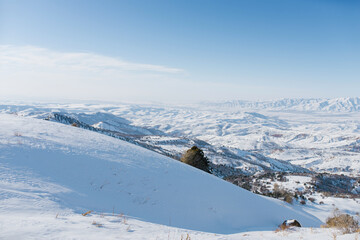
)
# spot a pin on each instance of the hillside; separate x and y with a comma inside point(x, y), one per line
point(49, 165)
point(105, 119)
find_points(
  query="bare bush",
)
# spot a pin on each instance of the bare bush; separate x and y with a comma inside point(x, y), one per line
point(343, 222)
point(281, 193)
point(86, 213)
point(288, 198)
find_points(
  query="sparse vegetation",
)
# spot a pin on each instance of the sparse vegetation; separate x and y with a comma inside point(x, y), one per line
point(281, 193)
point(261, 184)
point(333, 184)
point(97, 224)
point(186, 238)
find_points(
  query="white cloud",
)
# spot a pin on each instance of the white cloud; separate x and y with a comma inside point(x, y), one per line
point(41, 57)
point(30, 71)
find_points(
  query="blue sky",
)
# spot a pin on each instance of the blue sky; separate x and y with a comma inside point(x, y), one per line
point(243, 49)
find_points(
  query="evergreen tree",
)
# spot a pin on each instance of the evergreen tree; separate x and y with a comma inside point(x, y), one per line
point(195, 157)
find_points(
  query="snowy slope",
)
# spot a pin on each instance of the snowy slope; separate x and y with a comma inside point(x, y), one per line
point(55, 166)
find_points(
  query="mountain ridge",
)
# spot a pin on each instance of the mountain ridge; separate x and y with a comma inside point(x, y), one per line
point(346, 104)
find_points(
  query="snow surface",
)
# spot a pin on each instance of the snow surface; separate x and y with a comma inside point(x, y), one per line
point(49, 168)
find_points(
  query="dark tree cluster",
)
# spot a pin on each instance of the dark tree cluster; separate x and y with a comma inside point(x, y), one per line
point(196, 158)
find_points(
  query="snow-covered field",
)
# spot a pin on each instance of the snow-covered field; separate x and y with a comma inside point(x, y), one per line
point(25, 224)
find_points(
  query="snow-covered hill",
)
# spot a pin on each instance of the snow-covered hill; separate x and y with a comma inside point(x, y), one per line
point(321, 141)
point(225, 162)
point(47, 166)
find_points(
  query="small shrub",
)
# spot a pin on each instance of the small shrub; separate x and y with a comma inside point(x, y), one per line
point(281, 193)
point(288, 198)
point(86, 213)
point(311, 199)
point(97, 224)
point(186, 238)
point(302, 202)
point(74, 125)
point(296, 196)
point(342, 221)
point(281, 228)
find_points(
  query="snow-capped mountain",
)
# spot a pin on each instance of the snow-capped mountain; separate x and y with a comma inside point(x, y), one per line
point(315, 104)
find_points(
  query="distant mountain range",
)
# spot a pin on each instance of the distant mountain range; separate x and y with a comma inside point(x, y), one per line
point(349, 104)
